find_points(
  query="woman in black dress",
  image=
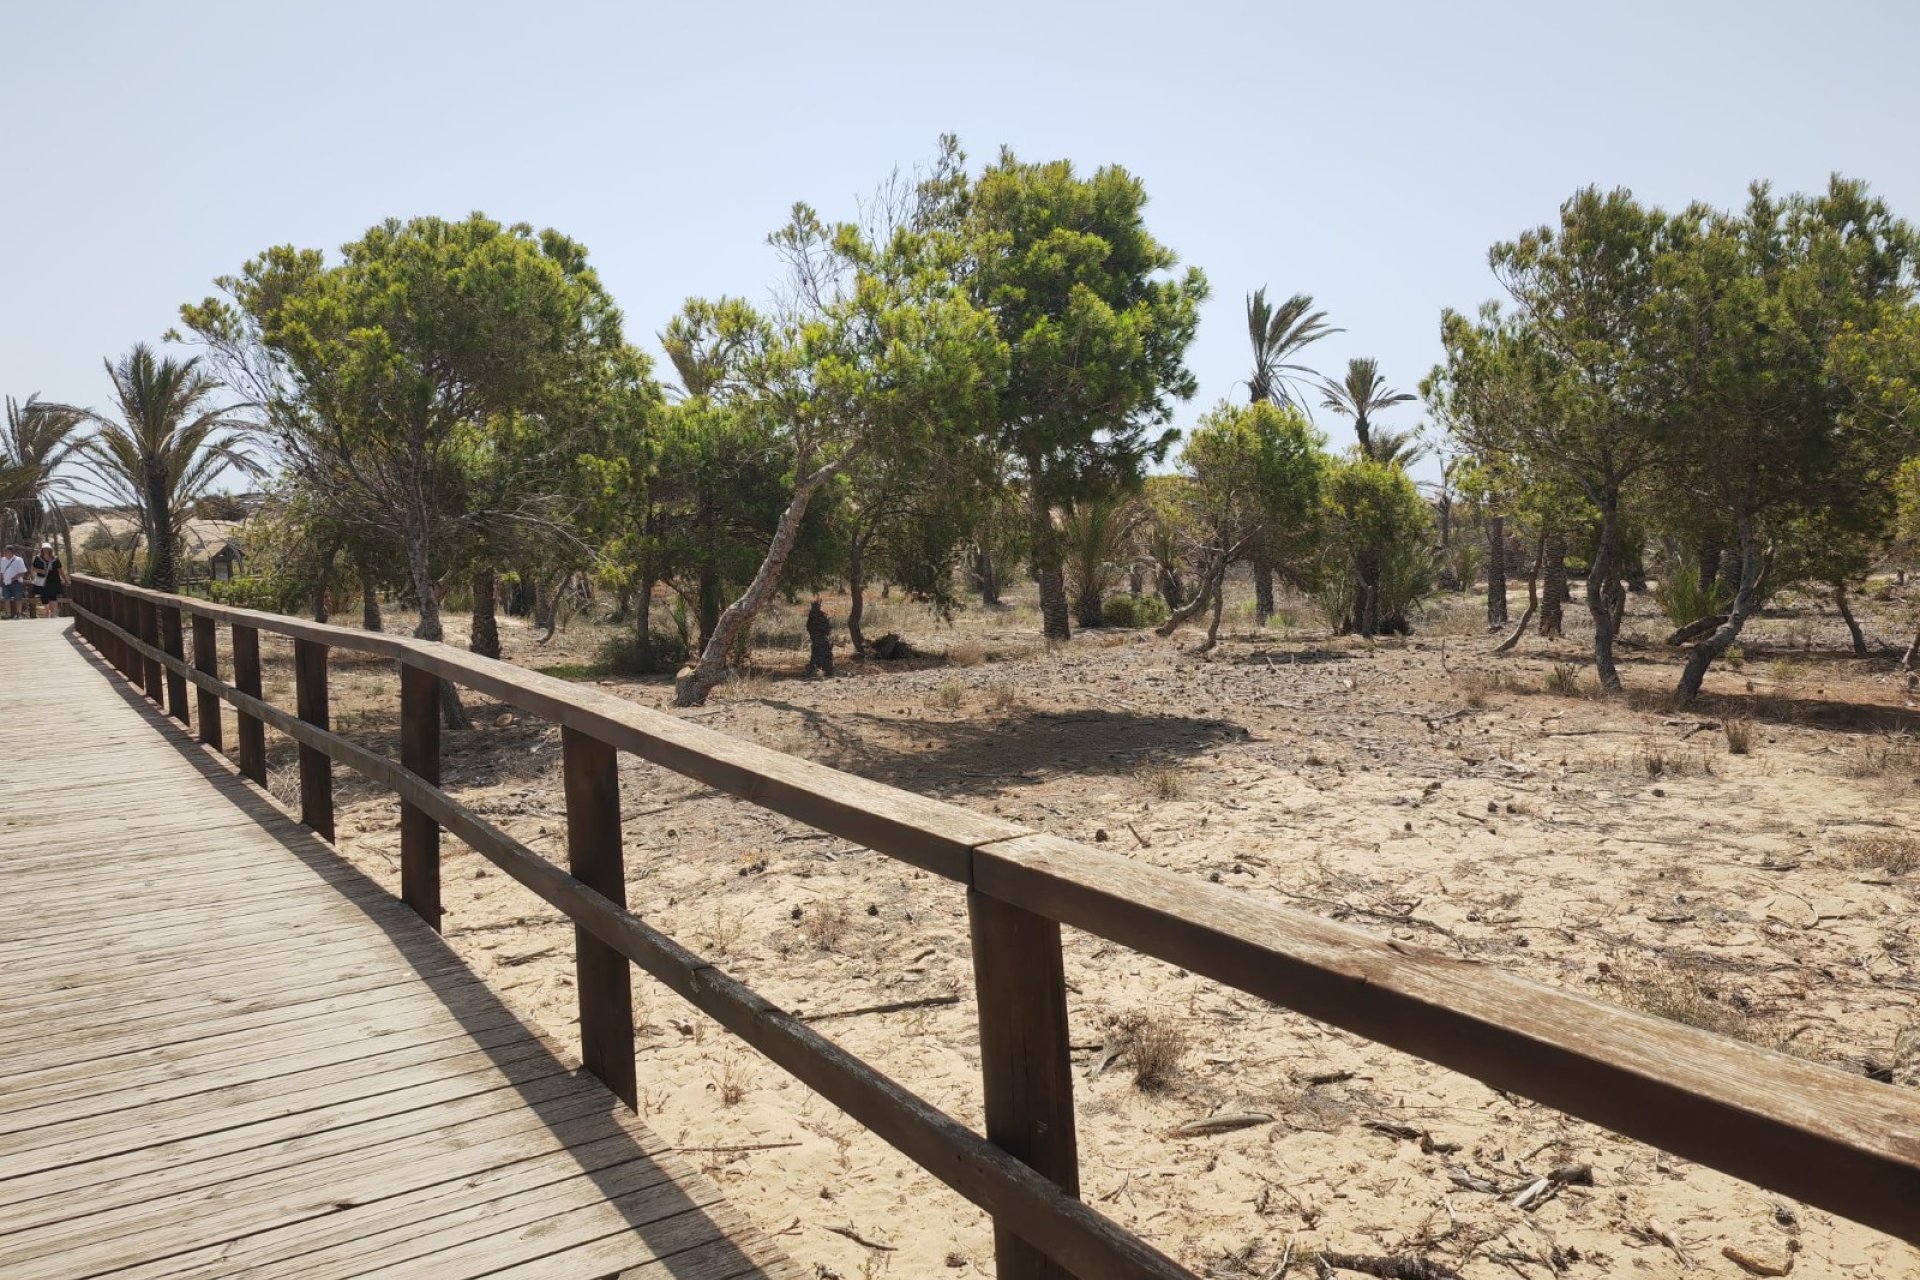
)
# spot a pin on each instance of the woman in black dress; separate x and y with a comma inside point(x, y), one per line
point(49, 577)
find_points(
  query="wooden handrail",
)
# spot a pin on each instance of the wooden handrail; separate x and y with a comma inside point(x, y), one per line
point(1840, 1142)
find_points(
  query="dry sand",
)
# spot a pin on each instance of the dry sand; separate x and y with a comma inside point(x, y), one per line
point(1420, 788)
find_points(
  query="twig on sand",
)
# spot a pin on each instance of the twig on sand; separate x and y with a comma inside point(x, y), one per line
point(859, 1239)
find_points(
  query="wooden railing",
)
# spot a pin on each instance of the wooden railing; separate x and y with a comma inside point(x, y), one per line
point(1840, 1142)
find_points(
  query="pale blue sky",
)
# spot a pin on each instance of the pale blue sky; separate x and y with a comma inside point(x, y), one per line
point(1365, 153)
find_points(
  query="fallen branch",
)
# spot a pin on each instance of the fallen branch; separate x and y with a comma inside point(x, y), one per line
point(1405, 1267)
point(859, 1239)
point(1224, 1123)
point(898, 1006)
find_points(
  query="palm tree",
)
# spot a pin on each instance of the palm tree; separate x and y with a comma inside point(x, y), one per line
point(166, 448)
point(1278, 334)
point(1360, 395)
point(1095, 533)
point(39, 438)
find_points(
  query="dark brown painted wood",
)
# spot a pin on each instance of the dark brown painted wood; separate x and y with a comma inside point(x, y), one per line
point(246, 678)
point(1024, 1061)
point(420, 755)
point(316, 767)
point(171, 643)
point(206, 659)
point(149, 614)
point(594, 856)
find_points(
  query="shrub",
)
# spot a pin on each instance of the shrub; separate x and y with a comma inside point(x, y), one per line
point(621, 655)
point(1156, 1046)
point(1133, 611)
point(1681, 598)
point(1564, 680)
point(1739, 735)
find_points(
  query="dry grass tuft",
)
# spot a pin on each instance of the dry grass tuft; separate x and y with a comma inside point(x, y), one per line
point(1892, 756)
point(1896, 855)
point(1679, 993)
point(1564, 680)
point(825, 925)
point(1739, 731)
point(730, 1082)
point(1004, 697)
point(1658, 760)
point(1155, 1045)
point(1477, 687)
point(949, 695)
point(1163, 780)
point(748, 686)
point(966, 653)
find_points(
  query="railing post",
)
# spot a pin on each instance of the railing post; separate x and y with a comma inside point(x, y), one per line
point(206, 660)
point(246, 678)
point(420, 754)
point(127, 618)
point(316, 767)
point(150, 636)
point(1024, 1062)
point(602, 976)
point(171, 643)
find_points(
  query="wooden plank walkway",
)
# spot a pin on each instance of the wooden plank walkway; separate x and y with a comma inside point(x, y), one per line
point(224, 1052)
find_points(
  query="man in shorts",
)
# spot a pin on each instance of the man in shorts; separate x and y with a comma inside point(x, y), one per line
point(13, 581)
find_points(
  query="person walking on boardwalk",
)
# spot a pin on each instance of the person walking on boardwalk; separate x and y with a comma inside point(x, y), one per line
point(49, 578)
point(13, 580)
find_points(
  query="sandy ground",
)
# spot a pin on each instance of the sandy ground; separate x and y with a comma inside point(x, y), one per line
point(1421, 788)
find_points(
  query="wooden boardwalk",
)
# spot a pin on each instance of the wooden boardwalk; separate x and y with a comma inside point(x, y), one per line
point(224, 1052)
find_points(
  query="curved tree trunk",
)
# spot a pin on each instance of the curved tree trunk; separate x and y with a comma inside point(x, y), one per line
point(1533, 596)
point(856, 598)
point(484, 638)
point(1048, 569)
point(692, 686)
point(1600, 577)
point(1210, 580)
point(1496, 571)
point(1704, 653)
point(1858, 636)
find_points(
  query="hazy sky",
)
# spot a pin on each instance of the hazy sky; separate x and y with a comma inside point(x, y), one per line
point(1365, 153)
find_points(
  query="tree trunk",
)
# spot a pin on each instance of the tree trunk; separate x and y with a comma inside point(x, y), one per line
point(370, 619)
point(164, 575)
point(1913, 652)
point(1262, 588)
point(643, 636)
point(1599, 577)
point(856, 598)
point(1553, 585)
point(692, 686)
point(1213, 626)
point(1210, 579)
point(1846, 616)
point(989, 580)
point(1496, 571)
point(1533, 596)
point(1167, 582)
point(1136, 581)
point(1048, 570)
point(328, 558)
point(1088, 607)
point(419, 568)
point(1723, 637)
point(707, 592)
point(484, 638)
point(1707, 569)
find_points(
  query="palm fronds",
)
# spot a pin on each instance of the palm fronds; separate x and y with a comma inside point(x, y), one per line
point(1278, 335)
point(1362, 394)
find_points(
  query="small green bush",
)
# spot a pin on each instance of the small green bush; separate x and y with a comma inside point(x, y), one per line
point(1683, 600)
point(621, 655)
point(1133, 611)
